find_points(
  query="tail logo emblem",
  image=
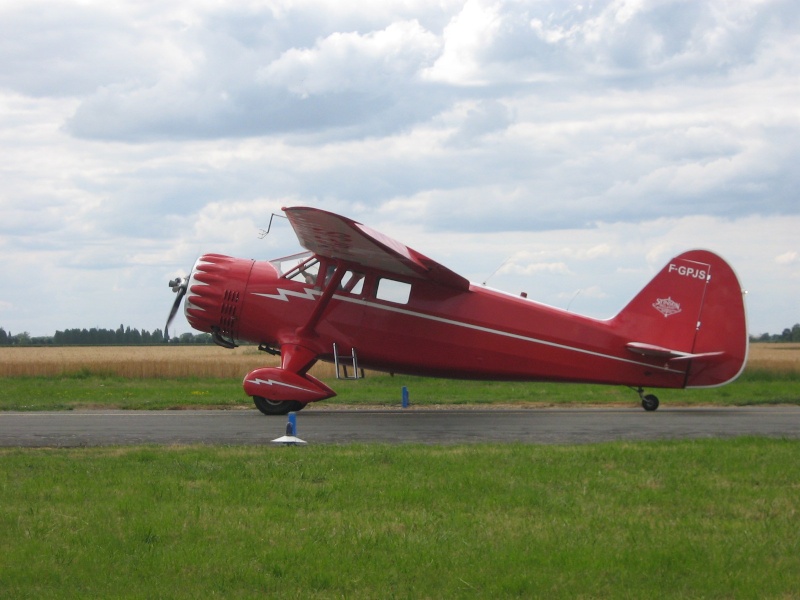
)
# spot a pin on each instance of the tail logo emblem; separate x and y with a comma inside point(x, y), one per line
point(667, 307)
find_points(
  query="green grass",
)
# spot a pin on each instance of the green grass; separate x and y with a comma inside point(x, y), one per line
point(689, 519)
point(108, 391)
point(88, 390)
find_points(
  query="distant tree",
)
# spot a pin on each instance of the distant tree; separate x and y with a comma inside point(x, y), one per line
point(3, 337)
point(787, 335)
point(22, 339)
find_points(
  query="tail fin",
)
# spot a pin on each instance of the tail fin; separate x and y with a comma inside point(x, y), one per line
point(691, 315)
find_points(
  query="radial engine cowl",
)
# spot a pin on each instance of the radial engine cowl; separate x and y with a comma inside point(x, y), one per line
point(215, 293)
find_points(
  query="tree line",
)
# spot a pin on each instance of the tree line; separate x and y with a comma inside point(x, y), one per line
point(125, 336)
point(122, 336)
point(787, 335)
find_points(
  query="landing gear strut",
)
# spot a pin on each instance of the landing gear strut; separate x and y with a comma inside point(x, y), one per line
point(649, 401)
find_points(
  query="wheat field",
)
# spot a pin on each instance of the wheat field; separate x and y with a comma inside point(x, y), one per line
point(775, 358)
point(135, 361)
point(213, 361)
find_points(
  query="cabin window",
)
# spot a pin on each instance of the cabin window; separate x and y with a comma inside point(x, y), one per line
point(353, 282)
point(329, 272)
point(393, 291)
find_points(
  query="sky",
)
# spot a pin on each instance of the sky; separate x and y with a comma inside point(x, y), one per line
point(565, 149)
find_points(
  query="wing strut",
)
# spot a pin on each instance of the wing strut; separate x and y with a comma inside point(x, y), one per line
point(331, 286)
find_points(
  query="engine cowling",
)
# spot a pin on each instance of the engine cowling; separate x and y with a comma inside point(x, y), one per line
point(215, 294)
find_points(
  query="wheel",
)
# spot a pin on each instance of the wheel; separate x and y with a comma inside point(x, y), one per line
point(649, 402)
point(283, 407)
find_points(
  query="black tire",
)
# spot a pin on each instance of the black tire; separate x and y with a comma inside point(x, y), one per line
point(649, 402)
point(282, 407)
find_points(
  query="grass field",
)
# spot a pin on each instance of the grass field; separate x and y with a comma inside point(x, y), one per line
point(694, 519)
point(194, 377)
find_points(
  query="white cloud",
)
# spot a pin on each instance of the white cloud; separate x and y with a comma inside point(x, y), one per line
point(351, 61)
point(531, 268)
point(465, 38)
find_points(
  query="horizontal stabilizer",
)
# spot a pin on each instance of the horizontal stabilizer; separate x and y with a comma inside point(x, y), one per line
point(666, 353)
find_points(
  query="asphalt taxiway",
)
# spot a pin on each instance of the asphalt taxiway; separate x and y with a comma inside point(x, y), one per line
point(412, 425)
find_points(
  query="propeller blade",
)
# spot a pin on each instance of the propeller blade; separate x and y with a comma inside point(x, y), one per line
point(179, 286)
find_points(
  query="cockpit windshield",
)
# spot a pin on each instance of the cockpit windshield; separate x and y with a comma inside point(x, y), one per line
point(301, 267)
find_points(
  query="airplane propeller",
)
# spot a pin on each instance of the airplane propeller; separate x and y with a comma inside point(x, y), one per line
point(179, 285)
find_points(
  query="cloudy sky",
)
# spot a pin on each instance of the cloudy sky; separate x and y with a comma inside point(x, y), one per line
point(567, 149)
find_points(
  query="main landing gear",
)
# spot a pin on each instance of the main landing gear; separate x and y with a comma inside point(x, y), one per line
point(649, 401)
point(277, 407)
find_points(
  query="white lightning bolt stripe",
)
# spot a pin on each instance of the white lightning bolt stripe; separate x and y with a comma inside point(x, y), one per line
point(259, 381)
point(283, 295)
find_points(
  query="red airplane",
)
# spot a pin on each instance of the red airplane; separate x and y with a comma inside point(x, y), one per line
point(360, 299)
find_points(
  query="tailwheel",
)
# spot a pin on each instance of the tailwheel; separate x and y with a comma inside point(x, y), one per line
point(649, 401)
point(277, 407)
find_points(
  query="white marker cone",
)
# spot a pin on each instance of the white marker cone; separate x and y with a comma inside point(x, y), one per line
point(290, 439)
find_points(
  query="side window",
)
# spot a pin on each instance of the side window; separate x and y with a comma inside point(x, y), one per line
point(393, 291)
point(353, 283)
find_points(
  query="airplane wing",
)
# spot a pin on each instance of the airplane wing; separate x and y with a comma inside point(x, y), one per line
point(333, 236)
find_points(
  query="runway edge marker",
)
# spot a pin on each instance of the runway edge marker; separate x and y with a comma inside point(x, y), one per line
point(290, 439)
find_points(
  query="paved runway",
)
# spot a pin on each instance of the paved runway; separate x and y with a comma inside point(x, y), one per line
point(335, 426)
